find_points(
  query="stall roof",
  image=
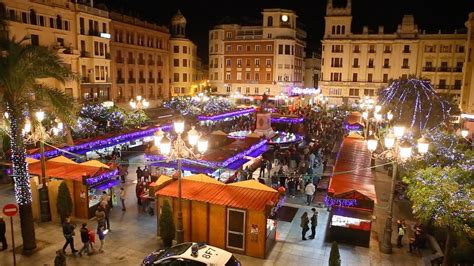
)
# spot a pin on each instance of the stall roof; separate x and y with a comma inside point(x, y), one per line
point(253, 184)
point(226, 195)
point(162, 179)
point(203, 178)
point(65, 170)
point(62, 159)
point(95, 163)
point(354, 157)
point(31, 160)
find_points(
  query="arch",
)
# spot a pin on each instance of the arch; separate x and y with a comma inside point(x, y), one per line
point(338, 29)
point(270, 21)
point(333, 30)
point(33, 20)
point(343, 29)
point(59, 22)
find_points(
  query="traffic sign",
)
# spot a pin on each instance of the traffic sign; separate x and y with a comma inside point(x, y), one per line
point(10, 210)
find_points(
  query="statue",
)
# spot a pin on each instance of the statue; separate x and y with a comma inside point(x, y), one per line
point(264, 102)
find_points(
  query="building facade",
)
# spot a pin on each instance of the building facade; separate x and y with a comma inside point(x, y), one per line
point(140, 59)
point(312, 71)
point(355, 65)
point(183, 59)
point(252, 60)
point(467, 99)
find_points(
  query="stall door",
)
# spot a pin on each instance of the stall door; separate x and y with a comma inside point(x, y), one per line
point(236, 229)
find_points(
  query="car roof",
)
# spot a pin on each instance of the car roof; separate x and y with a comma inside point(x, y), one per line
point(207, 254)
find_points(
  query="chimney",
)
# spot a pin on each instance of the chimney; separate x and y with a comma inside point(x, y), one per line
point(365, 30)
point(380, 29)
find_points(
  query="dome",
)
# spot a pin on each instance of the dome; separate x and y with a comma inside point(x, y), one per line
point(178, 18)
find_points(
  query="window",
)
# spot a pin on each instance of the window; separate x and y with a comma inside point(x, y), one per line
point(336, 62)
point(256, 76)
point(335, 91)
point(227, 88)
point(257, 62)
point(185, 62)
point(356, 62)
point(430, 48)
point(404, 76)
point(239, 89)
point(337, 49)
point(185, 77)
point(369, 77)
point(239, 76)
point(34, 39)
point(386, 63)
point(269, 76)
point(371, 48)
point(256, 90)
point(60, 41)
point(445, 48)
point(287, 49)
point(356, 48)
point(176, 62)
point(227, 62)
point(236, 229)
point(227, 76)
point(176, 77)
point(336, 76)
point(42, 22)
point(228, 35)
point(385, 78)
point(333, 30)
point(247, 75)
point(59, 22)
point(371, 63)
point(185, 49)
point(247, 62)
point(406, 48)
point(247, 90)
point(33, 19)
point(460, 48)
point(270, 21)
point(239, 48)
point(257, 48)
point(239, 62)
point(268, 62)
point(353, 92)
point(457, 84)
point(248, 48)
point(354, 77)
point(176, 49)
point(442, 84)
point(280, 49)
point(228, 48)
point(368, 92)
point(405, 63)
point(269, 48)
point(51, 23)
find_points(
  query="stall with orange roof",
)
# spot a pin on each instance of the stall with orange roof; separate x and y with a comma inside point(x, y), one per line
point(235, 217)
point(85, 182)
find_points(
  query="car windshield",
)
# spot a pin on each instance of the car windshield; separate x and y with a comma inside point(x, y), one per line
point(174, 250)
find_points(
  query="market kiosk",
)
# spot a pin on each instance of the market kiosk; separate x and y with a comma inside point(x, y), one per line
point(351, 195)
point(85, 182)
point(233, 216)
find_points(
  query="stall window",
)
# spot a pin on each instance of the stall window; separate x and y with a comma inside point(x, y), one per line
point(236, 229)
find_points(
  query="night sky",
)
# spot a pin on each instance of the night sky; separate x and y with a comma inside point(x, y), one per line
point(202, 15)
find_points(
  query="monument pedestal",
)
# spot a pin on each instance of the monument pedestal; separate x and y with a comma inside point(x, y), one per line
point(264, 128)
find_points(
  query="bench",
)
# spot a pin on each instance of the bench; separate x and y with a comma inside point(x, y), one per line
point(433, 255)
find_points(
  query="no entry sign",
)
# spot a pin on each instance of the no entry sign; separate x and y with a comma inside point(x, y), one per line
point(10, 210)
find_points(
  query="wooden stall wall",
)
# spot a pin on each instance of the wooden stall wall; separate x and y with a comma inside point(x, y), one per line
point(255, 242)
point(35, 204)
point(217, 226)
point(53, 186)
point(199, 223)
point(186, 208)
point(81, 199)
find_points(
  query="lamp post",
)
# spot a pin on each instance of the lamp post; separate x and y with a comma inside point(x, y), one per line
point(44, 196)
point(398, 151)
point(178, 150)
point(140, 103)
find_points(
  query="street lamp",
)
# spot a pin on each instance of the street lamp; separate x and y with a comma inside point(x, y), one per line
point(464, 133)
point(397, 151)
point(372, 142)
point(140, 103)
point(178, 150)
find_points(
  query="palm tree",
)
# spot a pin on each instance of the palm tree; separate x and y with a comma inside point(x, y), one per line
point(21, 65)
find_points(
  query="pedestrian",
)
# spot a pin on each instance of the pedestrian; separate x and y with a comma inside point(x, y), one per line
point(269, 167)
point(304, 225)
point(122, 198)
point(138, 191)
point(91, 234)
point(309, 191)
point(101, 232)
point(401, 233)
point(60, 259)
point(139, 173)
point(85, 240)
point(262, 168)
point(3, 231)
point(100, 215)
point(68, 232)
point(107, 217)
point(314, 223)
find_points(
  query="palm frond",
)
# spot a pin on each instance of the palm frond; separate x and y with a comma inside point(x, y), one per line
point(61, 104)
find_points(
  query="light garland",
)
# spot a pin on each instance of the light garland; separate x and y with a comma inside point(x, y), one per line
point(226, 115)
point(285, 138)
point(331, 202)
point(103, 143)
point(96, 180)
point(289, 120)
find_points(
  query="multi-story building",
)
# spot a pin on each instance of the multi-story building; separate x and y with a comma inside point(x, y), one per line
point(183, 59)
point(359, 64)
point(140, 59)
point(253, 60)
point(467, 99)
point(312, 71)
point(50, 24)
point(93, 40)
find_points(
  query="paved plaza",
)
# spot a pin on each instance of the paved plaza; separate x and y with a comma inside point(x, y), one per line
point(133, 235)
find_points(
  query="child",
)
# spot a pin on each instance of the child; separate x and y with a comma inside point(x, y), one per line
point(92, 241)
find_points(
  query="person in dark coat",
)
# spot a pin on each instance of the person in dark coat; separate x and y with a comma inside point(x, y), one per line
point(3, 231)
point(68, 232)
point(304, 225)
point(314, 223)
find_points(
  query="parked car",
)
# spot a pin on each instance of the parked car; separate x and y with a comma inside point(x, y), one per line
point(190, 253)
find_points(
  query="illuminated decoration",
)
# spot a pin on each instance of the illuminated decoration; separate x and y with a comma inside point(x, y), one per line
point(331, 202)
point(213, 164)
point(354, 127)
point(103, 143)
point(239, 134)
point(226, 115)
point(285, 138)
point(417, 101)
point(98, 179)
point(289, 120)
point(297, 90)
point(201, 105)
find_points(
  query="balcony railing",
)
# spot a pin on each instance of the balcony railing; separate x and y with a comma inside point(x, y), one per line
point(160, 80)
point(356, 51)
point(457, 69)
point(151, 62)
point(386, 66)
point(405, 67)
point(85, 54)
point(429, 69)
point(160, 63)
point(355, 66)
point(444, 69)
point(371, 51)
point(387, 51)
point(141, 61)
point(119, 60)
point(406, 51)
point(151, 80)
point(132, 80)
point(141, 80)
point(131, 61)
point(370, 66)
point(120, 80)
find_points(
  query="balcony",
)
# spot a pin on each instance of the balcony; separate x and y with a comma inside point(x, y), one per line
point(160, 63)
point(443, 87)
point(406, 51)
point(405, 66)
point(131, 61)
point(444, 69)
point(370, 66)
point(337, 51)
point(119, 60)
point(386, 66)
point(387, 51)
point(107, 56)
point(120, 80)
point(132, 80)
point(356, 51)
point(355, 66)
point(141, 80)
point(457, 69)
point(371, 51)
point(456, 87)
point(93, 33)
point(85, 80)
point(151, 80)
point(141, 62)
point(429, 69)
point(151, 62)
point(160, 80)
point(85, 54)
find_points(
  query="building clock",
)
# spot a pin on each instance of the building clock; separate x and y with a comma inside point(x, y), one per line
point(284, 18)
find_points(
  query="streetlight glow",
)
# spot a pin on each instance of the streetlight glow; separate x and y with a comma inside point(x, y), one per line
point(178, 126)
point(398, 130)
point(423, 145)
point(40, 116)
point(405, 150)
point(165, 146)
point(193, 136)
point(27, 128)
point(365, 115)
point(372, 142)
point(202, 145)
point(378, 108)
point(389, 116)
point(464, 133)
point(158, 136)
point(389, 140)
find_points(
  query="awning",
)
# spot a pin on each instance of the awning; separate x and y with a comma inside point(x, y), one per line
point(95, 163)
point(62, 159)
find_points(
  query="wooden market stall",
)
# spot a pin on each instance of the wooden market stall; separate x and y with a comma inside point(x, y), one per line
point(85, 182)
point(233, 217)
point(351, 194)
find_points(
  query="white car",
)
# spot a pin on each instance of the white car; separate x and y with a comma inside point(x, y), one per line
point(191, 254)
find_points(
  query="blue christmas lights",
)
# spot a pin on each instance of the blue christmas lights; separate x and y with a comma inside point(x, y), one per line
point(330, 202)
point(288, 120)
point(226, 115)
point(98, 179)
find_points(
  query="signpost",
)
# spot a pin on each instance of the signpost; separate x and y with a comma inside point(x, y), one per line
point(11, 210)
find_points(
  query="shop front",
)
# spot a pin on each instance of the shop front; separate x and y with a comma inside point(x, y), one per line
point(235, 217)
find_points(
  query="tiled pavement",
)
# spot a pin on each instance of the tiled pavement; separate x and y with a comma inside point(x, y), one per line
point(133, 235)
